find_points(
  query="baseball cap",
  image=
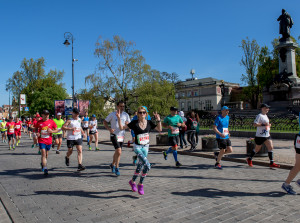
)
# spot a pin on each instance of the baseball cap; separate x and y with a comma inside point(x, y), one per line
point(173, 109)
point(75, 110)
point(224, 108)
point(93, 116)
point(145, 108)
point(37, 115)
point(45, 112)
point(181, 113)
point(263, 105)
point(58, 113)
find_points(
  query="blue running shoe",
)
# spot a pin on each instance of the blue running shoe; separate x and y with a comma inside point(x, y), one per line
point(218, 166)
point(288, 188)
point(45, 172)
point(113, 168)
point(165, 155)
point(298, 183)
point(117, 172)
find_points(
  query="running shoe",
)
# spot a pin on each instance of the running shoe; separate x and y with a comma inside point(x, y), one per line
point(274, 165)
point(165, 155)
point(67, 161)
point(192, 148)
point(57, 152)
point(9, 148)
point(288, 188)
point(249, 161)
point(134, 160)
point(14, 147)
point(80, 167)
point(32, 146)
point(18, 141)
point(117, 172)
point(216, 154)
point(141, 189)
point(133, 186)
point(178, 164)
point(17, 144)
point(97, 149)
point(218, 166)
point(42, 167)
point(298, 182)
point(46, 172)
point(90, 148)
point(113, 168)
point(186, 146)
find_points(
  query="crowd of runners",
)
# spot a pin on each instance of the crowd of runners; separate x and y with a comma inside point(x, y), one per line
point(48, 132)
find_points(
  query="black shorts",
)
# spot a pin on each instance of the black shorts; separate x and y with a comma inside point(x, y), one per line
point(10, 136)
point(296, 149)
point(223, 143)
point(57, 136)
point(71, 143)
point(260, 140)
point(173, 140)
point(29, 129)
point(93, 132)
point(85, 128)
point(114, 140)
point(3, 132)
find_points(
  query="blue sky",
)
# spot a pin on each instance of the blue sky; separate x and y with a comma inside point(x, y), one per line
point(173, 35)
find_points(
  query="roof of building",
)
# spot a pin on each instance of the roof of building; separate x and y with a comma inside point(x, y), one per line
point(203, 81)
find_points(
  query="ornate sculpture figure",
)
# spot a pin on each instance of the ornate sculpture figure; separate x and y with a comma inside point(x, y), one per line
point(285, 24)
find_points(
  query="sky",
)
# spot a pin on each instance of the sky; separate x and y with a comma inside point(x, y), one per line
point(173, 35)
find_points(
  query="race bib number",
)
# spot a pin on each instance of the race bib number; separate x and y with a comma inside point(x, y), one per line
point(18, 126)
point(11, 130)
point(175, 131)
point(76, 132)
point(195, 124)
point(120, 138)
point(225, 131)
point(143, 139)
point(297, 143)
point(45, 134)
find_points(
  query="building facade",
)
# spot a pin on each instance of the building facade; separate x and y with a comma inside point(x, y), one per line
point(203, 94)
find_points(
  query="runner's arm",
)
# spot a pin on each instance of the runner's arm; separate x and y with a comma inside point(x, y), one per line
point(64, 127)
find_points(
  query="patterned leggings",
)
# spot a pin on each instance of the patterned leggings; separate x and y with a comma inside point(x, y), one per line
point(142, 152)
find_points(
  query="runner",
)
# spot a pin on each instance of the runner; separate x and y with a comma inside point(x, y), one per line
point(3, 130)
point(58, 136)
point(44, 129)
point(10, 125)
point(24, 125)
point(222, 134)
point(116, 135)
point(74, 131)
point(29, 127)
point(263, 136)
point(93, 132)
point(182, 131)
point(141, 128)
point(18, 127)
point(34, 136)
point(192, 123)
point(85, 126)
point(173, 122)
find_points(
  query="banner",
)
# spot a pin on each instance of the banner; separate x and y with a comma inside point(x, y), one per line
point(59, 106)
point(22, 99)
point(83, 107)
point(68, 106)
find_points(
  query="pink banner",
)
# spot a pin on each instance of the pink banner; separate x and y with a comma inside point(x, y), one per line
point(59, 107)
point(83, 107)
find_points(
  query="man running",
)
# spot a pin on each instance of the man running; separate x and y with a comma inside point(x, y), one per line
point(3, 130)
point(18, 127)
point(222, 134)
point(85, 126)
point(10, 125)
point(58, 136)
point(93, 132)
point(263, 136)
point(44, 129)
point(29, 127)
point(117, 135)
point(173, 122)
point(74, 131)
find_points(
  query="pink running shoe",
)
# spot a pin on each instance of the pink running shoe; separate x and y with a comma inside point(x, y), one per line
point(133, 186)
point(141, 189)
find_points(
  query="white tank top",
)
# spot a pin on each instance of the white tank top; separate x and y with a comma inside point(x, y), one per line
point(74, 134)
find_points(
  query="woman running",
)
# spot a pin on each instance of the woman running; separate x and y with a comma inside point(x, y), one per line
point(141, 128)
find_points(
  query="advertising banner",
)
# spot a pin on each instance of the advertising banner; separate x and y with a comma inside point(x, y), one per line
point(22, 99)
point(59, 106)
point(83, 107)
point(68, 106)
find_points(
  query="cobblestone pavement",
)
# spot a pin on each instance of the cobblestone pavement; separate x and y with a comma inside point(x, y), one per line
point(195, 192)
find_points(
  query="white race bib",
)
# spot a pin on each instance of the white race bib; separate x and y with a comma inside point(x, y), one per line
point(143, 139)
point(18, 126)
point(76, 132)
point(297, 143)
point(11, 130)
point(225, 131)
point(120, 138)
point(175, 130)
point(44, 134)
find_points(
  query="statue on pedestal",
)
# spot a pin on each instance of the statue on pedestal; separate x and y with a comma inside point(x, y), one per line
point(283, 78)
point(285, 24)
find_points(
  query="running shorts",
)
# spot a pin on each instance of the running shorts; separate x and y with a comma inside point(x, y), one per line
point(260, 140)
point(113, 139)
point(173, 140)
point(57, 136)
point(223, 143)
point(71, 143)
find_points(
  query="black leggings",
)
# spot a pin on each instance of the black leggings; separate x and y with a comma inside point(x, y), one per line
point(191, 138)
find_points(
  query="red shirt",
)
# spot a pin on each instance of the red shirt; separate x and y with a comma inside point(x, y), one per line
point(42, 127)
point(10, 128)
point(28, 123)
point(34, 124)
point(18, 126)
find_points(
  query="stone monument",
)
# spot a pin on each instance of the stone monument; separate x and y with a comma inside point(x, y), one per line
point(286, 84)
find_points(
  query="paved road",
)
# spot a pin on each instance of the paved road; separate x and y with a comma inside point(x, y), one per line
point(196, 192)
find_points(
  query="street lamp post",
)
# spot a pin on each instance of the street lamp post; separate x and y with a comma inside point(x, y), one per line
point(192, 73)
point(69, 36)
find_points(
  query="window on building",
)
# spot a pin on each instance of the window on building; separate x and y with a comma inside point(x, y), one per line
point(176, 95)
point(208, 106)
point(196, 105)
point(189, 93)
point(182, 94)
point(189, 106)
point(196, 93)
point(182, 106)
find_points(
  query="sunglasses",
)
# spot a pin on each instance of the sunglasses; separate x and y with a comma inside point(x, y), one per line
point(142, 112)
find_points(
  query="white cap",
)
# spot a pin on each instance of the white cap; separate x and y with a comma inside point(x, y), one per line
point(58, 113)
point(181, 113)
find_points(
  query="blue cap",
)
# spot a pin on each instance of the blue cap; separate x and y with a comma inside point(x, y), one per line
point(224, 108)
point(93, 116)
point(146, 108)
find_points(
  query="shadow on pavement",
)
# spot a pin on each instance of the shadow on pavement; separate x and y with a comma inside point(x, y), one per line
point(216, 193)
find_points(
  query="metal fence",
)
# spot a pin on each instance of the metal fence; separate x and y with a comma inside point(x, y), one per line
point(280, 123)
